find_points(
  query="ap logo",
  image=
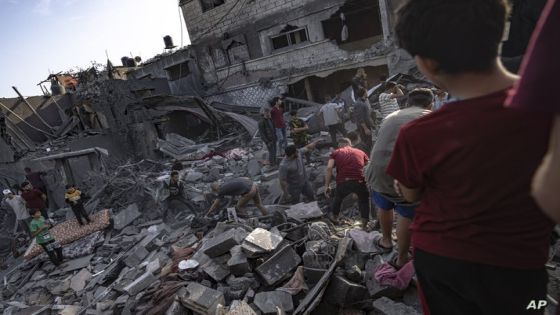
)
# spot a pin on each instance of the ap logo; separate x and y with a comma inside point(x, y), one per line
point(536, 305)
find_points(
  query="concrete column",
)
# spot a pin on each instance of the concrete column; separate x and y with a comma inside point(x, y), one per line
point(384, 14)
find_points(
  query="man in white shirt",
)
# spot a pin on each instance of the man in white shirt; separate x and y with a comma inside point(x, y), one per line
point(388, 99)
point(332, 113)
point(17, 204)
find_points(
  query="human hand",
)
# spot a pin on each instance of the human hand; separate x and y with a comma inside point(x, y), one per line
point(328, 191)
point(397, 187)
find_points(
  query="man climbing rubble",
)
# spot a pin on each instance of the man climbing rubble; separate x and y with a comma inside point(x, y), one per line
point(420, 102)
point(293, 175)
point(242, 187)
point(349, 163)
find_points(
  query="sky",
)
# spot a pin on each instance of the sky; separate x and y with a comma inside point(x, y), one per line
point(39, 37)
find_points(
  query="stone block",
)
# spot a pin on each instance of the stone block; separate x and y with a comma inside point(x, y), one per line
point(279, 265)
point(201, 299)
point(216, 270)
point(342, 292)
point(269, 302)
point(177, 308)
point(363, 241)
point(386, 306)
point(304, 211)
point(238, 264)
point(264, 239)
point(136, 256)
point(222, 243)
point(78, 282)
point(126, 216)
point(141, 283)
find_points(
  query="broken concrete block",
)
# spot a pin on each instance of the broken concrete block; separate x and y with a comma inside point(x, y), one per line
point(136, 256)
point(78, 282)
point(238, 264)
point(375, 289)
point(194, 177)
point(154, 266)
point(304, 211)
point(363, 241)
point(126, 216)
point(222, 243)
point(121, 300)
point(270, 302)
point(240, 308)
point(269, 175)
point(177, 308)
point(264, 239)
point(216, 270)
point(342, 292)
point(201, 299)
point(72, 265)
point(386, 306)
point(253, 168)
point(141, 283)
point(279, 265)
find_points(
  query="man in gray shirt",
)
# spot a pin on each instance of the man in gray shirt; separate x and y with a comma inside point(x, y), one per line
point(243, 187)
point(293, 176)
point(420, 102)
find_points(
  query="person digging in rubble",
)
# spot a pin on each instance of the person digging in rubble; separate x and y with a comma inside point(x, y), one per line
point(299, 133)
point(40, 231)
point(420, 102)
point(480, 240)
point(242, 187)
point(293, 175)
point(349, 163)
point(34, 198)
point(268, 136)
point(388, 99)
point(362, 117)
point(17, 204)
point(332, 117)
point(73, 197)
point(277, 115)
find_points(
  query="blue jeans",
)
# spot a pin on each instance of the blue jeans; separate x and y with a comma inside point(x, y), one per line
point(282, 139)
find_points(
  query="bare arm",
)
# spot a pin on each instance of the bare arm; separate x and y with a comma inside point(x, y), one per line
point(328, 177)
point(284, 185)
point(547, 178)
point(214, 206)
point(409, 194)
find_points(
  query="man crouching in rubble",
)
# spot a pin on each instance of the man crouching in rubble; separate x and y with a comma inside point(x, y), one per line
point(243, 187)
point(480, 240)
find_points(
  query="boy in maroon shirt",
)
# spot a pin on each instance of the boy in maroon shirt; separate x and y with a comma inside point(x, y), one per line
point(480, 239)
point(34, 198)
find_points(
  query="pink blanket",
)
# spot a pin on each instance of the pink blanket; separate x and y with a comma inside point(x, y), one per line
point(386, 274)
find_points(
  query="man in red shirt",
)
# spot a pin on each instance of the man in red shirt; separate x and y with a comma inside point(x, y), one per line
point(480, 240)
point(34, 198)
point(349, 163)
point(277, 115)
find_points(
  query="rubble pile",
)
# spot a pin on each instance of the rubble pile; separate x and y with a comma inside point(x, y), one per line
point(291, 261)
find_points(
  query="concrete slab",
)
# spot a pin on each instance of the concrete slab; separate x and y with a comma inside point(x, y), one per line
point(201, 299)
point(304, 211)
point(264, 239)
point(270, 302)
point(278, 267)
point(126, 216)
point(78, 282)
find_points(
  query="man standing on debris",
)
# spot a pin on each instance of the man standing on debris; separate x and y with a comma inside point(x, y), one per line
point(176, 189)
point(34, 198)
point(268, 135)
point(480, 240)
point(40, 230)
point(420, 102)
point(277, 115)
point(362, 116)
point(36, 180)
point(359, 82)
point(331, 114)
point(17, 204)
point(242, 187)
point(388, 99)
point(349, 163)
point(293, 175)
point(73, 197)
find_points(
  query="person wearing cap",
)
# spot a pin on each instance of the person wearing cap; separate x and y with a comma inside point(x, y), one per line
point(243, 187)
point(268, 135)
point(17, 204)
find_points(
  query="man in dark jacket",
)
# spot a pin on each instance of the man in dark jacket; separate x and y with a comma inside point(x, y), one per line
point(268, 135)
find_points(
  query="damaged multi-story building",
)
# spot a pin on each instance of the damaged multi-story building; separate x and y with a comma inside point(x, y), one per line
point(245, 52)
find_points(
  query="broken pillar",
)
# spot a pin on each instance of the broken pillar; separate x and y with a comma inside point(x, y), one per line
point(201, 299)
point(270, 302)
point(279, 265)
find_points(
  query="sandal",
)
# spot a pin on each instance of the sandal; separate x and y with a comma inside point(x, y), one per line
point(384, 249)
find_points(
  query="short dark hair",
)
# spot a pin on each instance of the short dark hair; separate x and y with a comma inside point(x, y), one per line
point(461, 36)
point(293, 113)
point(273, 101)
point(24, 184)
point(421, 98)
point(69, 186)
point(389, 85)
point(290, 150)
point(174, 173)
point(27, 169)
point(344, 141)
point(353, 136)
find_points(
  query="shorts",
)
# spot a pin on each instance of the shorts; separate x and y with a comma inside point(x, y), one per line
point(385, 204)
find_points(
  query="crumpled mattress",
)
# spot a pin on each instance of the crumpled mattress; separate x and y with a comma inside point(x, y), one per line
point(70, 231)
